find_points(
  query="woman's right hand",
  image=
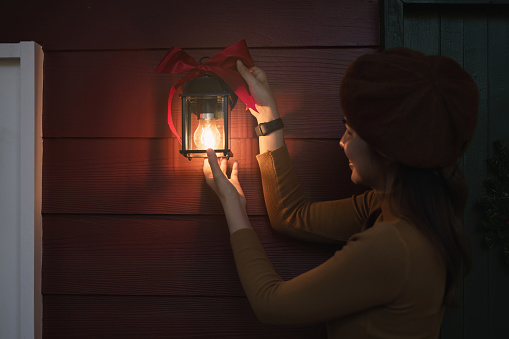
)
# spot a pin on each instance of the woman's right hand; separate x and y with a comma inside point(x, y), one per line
point(259, 87)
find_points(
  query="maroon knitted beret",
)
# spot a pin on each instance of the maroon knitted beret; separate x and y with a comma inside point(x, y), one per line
point(414, 109)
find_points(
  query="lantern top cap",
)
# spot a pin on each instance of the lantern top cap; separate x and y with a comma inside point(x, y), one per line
point(209, 85)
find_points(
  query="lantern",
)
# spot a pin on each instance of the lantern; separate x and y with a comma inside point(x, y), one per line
point(206, 105)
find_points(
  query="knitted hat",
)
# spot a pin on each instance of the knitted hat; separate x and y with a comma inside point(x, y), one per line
point(411, 108)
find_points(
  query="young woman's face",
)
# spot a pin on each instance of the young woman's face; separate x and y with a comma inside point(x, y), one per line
point(363, 161)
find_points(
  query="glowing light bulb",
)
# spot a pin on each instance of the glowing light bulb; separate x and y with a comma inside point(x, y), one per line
point(207, 135)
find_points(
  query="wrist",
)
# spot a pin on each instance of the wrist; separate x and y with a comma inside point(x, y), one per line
point(232, 204)
point(267, 114)
point(236, 216)
point(266, 128)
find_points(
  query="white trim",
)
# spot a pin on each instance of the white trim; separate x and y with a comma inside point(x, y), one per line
point(29, 145)
point(9, 50)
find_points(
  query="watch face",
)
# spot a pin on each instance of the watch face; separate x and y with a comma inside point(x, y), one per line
point(265, 128)
point(259, 130)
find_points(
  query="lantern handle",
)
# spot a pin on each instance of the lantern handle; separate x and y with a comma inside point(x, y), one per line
point(203, 58)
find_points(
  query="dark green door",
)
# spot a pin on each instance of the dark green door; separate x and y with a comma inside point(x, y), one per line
point(476, 34)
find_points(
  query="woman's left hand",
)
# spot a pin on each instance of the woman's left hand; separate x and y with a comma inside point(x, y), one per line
point(228, 190)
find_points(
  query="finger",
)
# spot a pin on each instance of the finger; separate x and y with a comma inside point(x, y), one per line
point(255, 74)
point(235, 178)
point(253, 112)
point(235, 171)
point(214, 165)
point(259, 74)
point(206, 167)
point(207, 171)
point(244, 71)
point(224, 165)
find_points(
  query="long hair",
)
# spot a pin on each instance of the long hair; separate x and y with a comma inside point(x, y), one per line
point(434, 201)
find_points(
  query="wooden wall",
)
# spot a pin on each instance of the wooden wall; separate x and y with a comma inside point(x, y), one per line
point(135, 244)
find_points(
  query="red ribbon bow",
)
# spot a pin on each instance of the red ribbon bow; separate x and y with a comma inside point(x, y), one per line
point(223, 64)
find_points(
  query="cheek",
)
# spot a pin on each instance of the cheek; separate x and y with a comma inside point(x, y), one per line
point(352, 151)
point(365, 168)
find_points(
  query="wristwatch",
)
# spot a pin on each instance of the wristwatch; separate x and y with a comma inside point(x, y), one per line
point(269, 127)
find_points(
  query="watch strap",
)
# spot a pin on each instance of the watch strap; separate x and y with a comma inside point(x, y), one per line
point(268, 127)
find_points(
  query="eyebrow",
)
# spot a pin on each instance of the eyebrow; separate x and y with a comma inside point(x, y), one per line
point(345, 122)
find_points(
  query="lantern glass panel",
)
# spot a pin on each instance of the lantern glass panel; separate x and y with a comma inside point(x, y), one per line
point(205, 125)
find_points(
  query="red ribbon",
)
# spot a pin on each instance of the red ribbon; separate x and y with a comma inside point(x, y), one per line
point(223, 65)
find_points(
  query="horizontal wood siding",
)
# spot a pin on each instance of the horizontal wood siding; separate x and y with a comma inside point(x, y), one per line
point(157, 255)
point(149, 176)
point(134, 317)
point(135, 244)
point(138, 24)
point(118, 93)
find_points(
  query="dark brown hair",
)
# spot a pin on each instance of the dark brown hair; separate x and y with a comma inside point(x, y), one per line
point(434, 201)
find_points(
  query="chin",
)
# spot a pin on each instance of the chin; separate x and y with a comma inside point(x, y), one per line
point(355, 179)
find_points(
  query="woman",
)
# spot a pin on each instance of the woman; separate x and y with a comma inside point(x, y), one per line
point(408, 119)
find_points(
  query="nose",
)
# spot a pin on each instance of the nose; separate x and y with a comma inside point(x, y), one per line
point(342, 142)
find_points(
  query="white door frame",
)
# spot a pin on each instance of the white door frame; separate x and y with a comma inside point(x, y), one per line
point(21, 74)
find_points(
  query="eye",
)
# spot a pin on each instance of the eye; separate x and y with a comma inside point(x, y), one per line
point(348, 131)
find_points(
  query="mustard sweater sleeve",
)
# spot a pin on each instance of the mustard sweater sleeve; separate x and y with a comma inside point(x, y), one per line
point(368, 271)
point(291, 213)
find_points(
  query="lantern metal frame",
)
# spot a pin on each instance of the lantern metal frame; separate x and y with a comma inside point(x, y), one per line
point(206, 87)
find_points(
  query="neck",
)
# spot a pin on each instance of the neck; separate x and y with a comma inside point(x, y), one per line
point(388, 213)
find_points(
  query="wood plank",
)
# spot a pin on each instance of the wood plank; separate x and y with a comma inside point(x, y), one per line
point(451, 33)
point(149, 176)
point(392, 27)
point(498, 55)
point(476, 321)
point(451, 45)
point(97, 24)
point(119, 94)
point(160, 317)
point(158, 255)
point(422, 30)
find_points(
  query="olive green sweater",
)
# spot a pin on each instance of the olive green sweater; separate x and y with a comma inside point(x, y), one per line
point(385, 282)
